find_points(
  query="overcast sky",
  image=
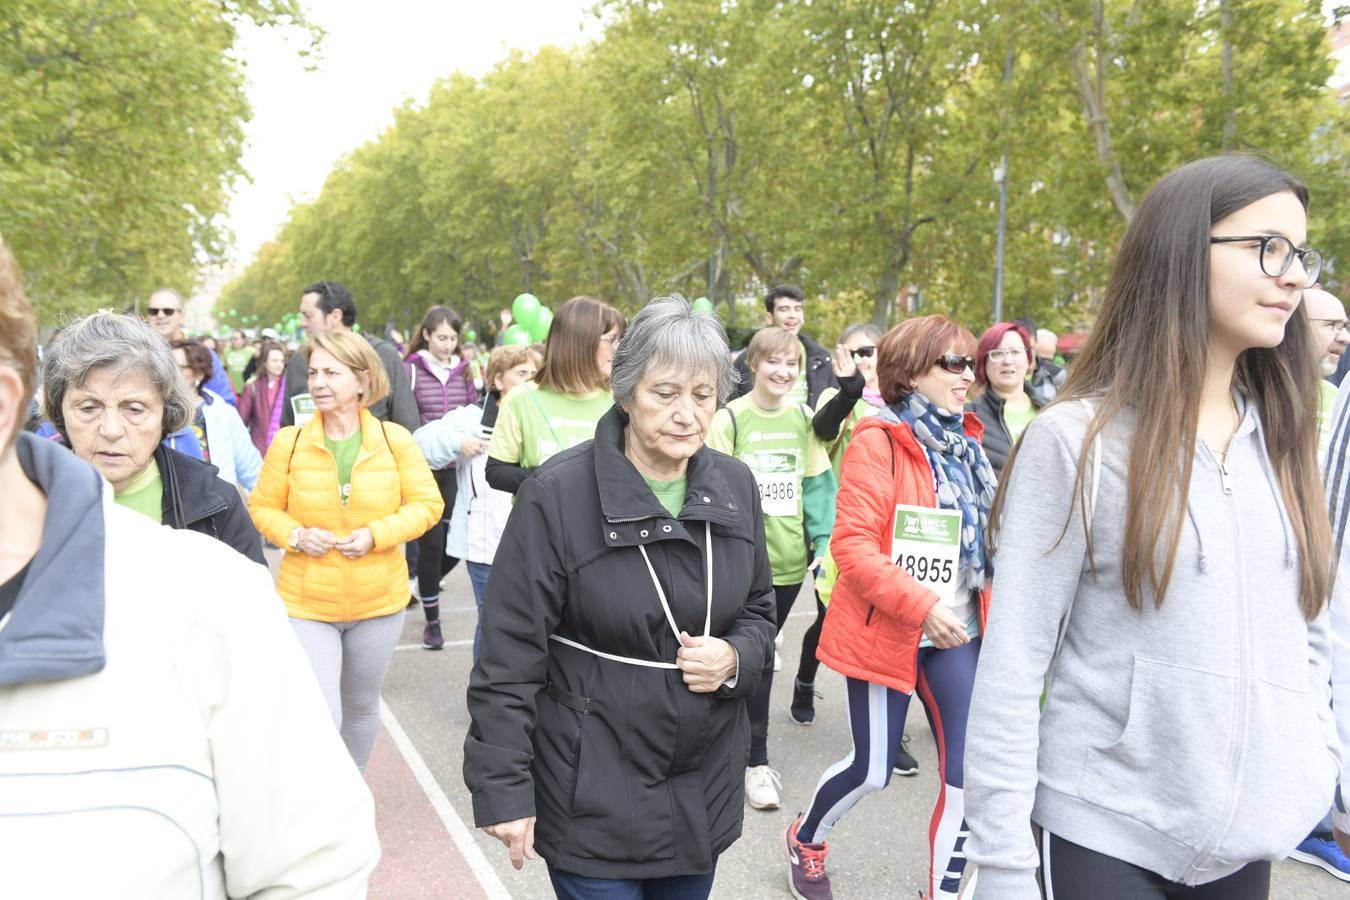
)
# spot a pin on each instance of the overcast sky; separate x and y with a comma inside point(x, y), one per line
point(375, 56)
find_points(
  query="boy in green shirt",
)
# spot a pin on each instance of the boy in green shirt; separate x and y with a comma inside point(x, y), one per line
point(773, 436)
point(236, 359)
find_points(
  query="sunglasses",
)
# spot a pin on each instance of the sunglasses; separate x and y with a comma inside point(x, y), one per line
point(153, 311)
point(955, 363)
point(864, 352)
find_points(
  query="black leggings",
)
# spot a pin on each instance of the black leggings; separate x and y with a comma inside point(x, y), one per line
point(808, 665)
point(784, 596)
point(432, 563)
point(1072, 872)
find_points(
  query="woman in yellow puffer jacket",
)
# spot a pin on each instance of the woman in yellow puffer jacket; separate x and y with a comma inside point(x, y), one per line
point(341, 494)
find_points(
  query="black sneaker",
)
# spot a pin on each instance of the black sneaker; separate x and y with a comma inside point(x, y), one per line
point(431, 637)
point(905, 764)
point(803, 709)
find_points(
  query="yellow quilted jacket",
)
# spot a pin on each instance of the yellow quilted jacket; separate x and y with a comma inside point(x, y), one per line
point(392, 493)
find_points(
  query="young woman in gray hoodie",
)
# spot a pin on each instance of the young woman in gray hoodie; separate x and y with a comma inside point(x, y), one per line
point(1163, 569)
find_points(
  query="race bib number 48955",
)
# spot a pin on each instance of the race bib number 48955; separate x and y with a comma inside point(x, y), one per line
point(927, 545)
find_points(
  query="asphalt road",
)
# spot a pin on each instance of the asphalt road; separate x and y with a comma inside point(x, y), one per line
point(878, 851)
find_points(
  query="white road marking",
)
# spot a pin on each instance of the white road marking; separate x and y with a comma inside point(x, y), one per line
point(482, 869)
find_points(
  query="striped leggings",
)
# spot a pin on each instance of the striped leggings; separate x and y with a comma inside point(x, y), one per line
point(876, 716)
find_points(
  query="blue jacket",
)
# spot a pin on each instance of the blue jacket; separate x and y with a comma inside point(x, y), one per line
point(220, 380)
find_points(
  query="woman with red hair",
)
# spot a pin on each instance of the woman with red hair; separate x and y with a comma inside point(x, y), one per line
point(1002, 401)
point(908, 609)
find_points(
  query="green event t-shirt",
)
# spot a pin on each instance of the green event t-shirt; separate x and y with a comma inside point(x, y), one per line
point(536, 423)
point(344, 453)
point(145, 494)
point(1018, 420)
point(861, 410)
point(669, 494)
point(781, 450)
point(236, 361)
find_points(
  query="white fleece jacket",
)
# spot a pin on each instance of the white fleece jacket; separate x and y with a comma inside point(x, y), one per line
point(199, 761)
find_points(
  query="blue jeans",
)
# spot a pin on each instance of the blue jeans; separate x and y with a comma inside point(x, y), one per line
point(679, 887)
point(478, 577)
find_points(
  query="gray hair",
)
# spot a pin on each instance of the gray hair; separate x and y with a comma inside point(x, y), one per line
point(120, 342)
point(668, 333)
point(866, 329)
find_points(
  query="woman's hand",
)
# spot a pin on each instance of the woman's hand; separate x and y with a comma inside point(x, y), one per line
point(944, 629)
point(357, 544)
point(706, 662)
point(472, 446)
point(315, 541)
point(518, 836)
point(844, 364)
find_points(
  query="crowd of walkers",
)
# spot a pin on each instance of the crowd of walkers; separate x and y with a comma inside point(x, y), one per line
point(1111, 585)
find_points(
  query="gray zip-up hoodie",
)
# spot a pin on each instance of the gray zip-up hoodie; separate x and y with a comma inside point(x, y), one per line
point(1189, 740)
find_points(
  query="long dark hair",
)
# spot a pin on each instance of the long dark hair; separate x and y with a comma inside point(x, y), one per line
point(435, 318)
point(1151, 340)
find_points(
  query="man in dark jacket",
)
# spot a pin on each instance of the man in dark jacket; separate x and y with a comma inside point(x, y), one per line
point(785, 308)
point(164, 313)
point(328, 306)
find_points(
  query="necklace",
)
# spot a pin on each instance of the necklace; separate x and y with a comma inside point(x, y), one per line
point(1221, 455)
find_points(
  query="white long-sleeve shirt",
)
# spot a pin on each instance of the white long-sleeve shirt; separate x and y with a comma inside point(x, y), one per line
point(1336, 476)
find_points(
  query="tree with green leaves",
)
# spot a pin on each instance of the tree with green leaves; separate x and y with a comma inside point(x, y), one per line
point(122, 133)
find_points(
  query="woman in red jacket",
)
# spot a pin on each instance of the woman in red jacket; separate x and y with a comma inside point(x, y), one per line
point(910, 602)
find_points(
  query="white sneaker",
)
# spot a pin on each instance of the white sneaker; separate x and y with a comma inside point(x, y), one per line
point(762, 785)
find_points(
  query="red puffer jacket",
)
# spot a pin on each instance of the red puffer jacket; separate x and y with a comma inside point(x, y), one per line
point(874, 624)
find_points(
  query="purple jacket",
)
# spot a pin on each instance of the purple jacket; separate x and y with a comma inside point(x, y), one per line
point(434, 399)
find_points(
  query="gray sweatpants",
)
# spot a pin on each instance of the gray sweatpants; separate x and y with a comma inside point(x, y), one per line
point(350, 659)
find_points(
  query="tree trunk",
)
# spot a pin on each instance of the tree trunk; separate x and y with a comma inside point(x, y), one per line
point(1091, 82)
point(1229, 97)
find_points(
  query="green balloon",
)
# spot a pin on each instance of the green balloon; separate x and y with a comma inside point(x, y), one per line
point(539, 330)
point(702, 305)
point(470, 335)
point(525, 309)
point(516, 335)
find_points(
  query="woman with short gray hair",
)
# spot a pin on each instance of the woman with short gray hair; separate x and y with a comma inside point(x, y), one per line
point(621, 642)
point(113, 390)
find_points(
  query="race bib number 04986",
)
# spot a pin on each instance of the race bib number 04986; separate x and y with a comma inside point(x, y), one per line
point(777, 493)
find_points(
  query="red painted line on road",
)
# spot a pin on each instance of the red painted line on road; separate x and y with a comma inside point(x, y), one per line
point(419, 858)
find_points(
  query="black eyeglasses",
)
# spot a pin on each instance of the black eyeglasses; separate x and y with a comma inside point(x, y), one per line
point(1278, 253)
point(153, 311)
point(955, 363)
point(864, 352)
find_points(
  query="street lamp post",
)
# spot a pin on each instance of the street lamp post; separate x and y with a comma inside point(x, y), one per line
point(1001, 179)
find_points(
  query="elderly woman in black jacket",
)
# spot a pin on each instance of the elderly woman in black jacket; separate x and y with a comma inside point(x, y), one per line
point(620, 643)
point(112, 388)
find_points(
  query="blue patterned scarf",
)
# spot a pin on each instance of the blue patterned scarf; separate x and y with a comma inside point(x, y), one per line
point(965, 480)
